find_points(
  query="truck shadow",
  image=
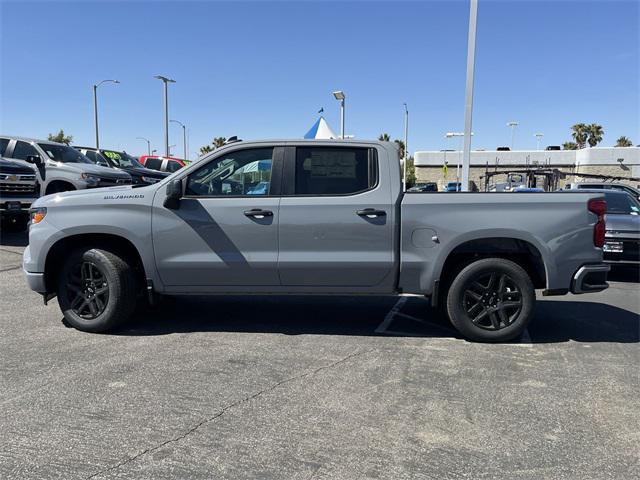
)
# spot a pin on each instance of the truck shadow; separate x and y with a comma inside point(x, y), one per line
point(554, 322)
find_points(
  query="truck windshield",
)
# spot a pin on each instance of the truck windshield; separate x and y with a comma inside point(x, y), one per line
point(621, 204)
point(122, 159)
point(63, 153)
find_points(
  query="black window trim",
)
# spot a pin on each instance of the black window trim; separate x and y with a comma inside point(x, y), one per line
point(276, 173)
point(289, 177)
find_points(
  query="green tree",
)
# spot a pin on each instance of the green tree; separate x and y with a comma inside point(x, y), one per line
point(580, 133)
point(624, 142)
point(384, 137)
point(60, 137)
point(206, 149)
point(219, 141)
point(411, 173)
point(401, 146)
point(570, 146)
point(595, 132)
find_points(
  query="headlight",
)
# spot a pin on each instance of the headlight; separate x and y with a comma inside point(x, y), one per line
point(89, 178)
point(37, 214)
point(149, 179)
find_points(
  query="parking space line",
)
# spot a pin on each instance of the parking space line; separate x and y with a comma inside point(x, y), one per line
point(389, 317)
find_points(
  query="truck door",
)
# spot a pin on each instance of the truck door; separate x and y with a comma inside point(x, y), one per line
point(225, 229)
point(336, 219)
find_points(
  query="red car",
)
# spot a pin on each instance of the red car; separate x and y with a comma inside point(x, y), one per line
point(163, 164)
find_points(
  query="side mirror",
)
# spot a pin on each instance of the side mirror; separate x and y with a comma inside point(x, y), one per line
point(174, 194)
point(35, 159)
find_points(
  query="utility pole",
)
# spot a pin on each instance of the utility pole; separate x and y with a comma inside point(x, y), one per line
point(166, 81)
point(513, 126)
point(95, 107)
point(406, 146)
point(148, 144)
point(184, 136)
point(468, 103)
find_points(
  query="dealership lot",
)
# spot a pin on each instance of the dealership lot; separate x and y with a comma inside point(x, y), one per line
point(317, 387)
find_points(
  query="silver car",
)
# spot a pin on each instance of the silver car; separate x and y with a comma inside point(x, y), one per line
point(60, 167)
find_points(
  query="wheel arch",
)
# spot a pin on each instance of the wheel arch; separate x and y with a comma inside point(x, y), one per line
point(104, 241)
point(521, 251)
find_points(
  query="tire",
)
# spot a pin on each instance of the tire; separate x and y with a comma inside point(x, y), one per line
point(491, 300)
point(86, 302)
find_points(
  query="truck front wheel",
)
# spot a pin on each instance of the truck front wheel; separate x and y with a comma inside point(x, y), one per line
point(96, 290)
point(491, 300)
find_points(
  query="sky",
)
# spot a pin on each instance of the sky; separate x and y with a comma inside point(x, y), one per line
point(264, 69)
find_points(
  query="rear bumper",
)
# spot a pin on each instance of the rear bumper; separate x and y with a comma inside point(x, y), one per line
point(590, 278)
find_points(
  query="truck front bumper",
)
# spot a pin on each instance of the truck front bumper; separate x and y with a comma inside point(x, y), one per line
point(35, 281)
point(590, 278)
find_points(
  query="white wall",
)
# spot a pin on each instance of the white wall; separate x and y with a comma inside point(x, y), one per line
point(587, 156)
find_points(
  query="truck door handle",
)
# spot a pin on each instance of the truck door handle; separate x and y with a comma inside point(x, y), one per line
point(371, 213)
point(258, 213)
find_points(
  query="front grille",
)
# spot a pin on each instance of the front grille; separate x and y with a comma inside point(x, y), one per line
point(10, 188)
point(17, 177)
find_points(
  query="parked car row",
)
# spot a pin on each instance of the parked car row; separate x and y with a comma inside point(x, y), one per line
point(30, 168)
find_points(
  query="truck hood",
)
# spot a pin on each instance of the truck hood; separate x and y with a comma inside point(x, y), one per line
point(11, 166)
point(98, 170)
point(147, 172)
point(94, 196)
point(622, 223)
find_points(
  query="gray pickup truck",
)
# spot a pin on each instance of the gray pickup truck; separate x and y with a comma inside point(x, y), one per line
point(313, 217)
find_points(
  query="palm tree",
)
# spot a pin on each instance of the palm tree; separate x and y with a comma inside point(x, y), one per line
point(219, 141)
point(596, 132)
point(384, 137)
point(580, 133)
point(570, 146)
point(206, 149)
point(624, 142)
point(401, 146)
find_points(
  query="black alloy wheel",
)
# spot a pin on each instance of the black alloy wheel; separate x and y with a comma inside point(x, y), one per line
point(492, 300)
point(88, 290)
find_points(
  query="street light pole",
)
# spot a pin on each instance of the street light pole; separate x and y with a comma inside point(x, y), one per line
point(339, 95)
point(468, 103)
point(513, 126)
point(406, 139)
point(148, 144)
point(184, 136)
point(95, 107)
point(538, 138)
point(166, 81)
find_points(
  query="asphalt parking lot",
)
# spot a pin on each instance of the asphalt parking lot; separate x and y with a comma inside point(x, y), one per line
point(317, 387)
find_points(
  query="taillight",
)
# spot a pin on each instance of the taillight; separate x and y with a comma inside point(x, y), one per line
point(599, 207)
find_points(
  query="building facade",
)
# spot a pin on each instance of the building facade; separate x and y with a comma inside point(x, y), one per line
point(623, 162)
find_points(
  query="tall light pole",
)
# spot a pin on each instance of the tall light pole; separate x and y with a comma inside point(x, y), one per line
point(468, 101)
point(406, 145)
point(166, 81)
point(513, 126)
point(461, 135)
point(148, 144)
point(184, 136)
point(538, 138)
point(95, 107)
point(339, 95)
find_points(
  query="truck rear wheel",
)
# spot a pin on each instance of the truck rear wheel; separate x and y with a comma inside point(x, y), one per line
point(491, 300)
point(96, 290)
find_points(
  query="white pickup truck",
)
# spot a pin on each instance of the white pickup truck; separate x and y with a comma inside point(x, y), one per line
point(313, 217)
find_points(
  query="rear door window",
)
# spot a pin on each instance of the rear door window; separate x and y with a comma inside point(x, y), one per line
point(153, 163)
point(334, 170)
